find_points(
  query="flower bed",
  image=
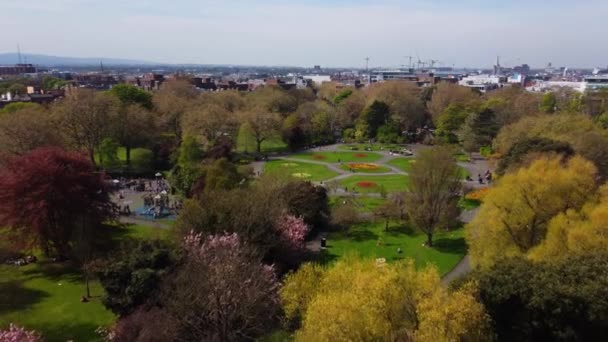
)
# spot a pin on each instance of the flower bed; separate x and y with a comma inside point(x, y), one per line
point(360, 155)
point(301, 175)
point(367, 184)
point(363, 166)
point(477, 195)
point(319, 157)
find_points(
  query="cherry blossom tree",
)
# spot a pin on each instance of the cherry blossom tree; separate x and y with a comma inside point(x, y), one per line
point(19, 334)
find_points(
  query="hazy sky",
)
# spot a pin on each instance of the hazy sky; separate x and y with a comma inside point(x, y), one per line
point(308, 32)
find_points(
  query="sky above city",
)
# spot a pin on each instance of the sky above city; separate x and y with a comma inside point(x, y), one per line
point(461, 33)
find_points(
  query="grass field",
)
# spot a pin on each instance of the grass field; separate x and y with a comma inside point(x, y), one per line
point(336, 157)
point(362, 203)
point(45, 296)
point(372, 184)
point(403, 164)
point(369, 240)
point(374, 147)
point(353, 167)
point(246, 143)
point(302, 170)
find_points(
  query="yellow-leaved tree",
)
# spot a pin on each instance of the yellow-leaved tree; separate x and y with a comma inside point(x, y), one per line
point(575, 232)
point(360, 300)
point(517, 212)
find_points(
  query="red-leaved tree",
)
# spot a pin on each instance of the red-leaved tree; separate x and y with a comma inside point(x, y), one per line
point(52, 198)
point(18, 334)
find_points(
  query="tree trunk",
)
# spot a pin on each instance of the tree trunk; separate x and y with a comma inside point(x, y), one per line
point(92, 156)
point(86, 282)
point(429, 239)
point(386, 225)
point(128, 154)
point(259, 146)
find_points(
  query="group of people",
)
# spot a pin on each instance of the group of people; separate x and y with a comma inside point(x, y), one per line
point(487, 177)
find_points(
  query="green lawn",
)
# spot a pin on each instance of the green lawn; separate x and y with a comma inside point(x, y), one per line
point(302, 170)
point(390, 183)
point(374, 147)
point(246, 143)
point(46, 297)
point(403, 164)
point(363, 204)
point(468, 204)
point(141, 159)
point(378, 169)
point(369, 240)
point(336, 156)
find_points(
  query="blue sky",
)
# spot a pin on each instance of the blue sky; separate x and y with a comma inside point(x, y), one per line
point(308, 32)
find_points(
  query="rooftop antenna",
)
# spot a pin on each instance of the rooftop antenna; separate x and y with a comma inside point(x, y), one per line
point(19, 54)
point(410, 58)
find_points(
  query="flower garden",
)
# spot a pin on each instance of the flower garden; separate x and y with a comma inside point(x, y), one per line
point(364, 168)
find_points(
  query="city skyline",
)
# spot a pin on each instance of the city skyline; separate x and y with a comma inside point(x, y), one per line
point(336, 33)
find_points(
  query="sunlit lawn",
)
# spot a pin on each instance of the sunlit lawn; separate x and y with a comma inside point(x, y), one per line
point(45, 296)
point(374, 147)
point(403, 164)
point(370, 240)
point(246, 143)
point(373, 184)
point(337, 156)
point(301, 170)
point(361, 203)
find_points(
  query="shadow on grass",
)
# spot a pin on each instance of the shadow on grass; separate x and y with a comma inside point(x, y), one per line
point(70, 331)
point(452, 246)
point(54, 271)
point(361, 235)
point(14, 297)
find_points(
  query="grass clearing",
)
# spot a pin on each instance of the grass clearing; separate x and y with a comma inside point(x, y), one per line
point(373, 184)
point(246, 143)
point(301, 170)
point(374, 147)
point(370, 240)
point(403, 164)
point(46, 297)
point(337, 157)
point(362, 203)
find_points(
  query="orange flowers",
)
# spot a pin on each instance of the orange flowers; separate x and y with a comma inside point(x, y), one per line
point(477, 195)
point(363, 166)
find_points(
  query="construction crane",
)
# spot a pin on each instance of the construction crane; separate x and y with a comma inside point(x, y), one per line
point(432, 62)
point(410, 59)
point(366, 64)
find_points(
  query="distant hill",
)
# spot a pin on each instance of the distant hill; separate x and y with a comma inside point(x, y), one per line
point(45, 60)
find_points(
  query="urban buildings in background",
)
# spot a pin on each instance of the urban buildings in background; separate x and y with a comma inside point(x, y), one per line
point(221, 78)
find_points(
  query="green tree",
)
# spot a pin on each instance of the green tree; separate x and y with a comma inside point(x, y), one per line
point(132, 276)
point(108, 152)
point(548, 104)
point(450, 121)
point(479, 129)
point(550, 301)
point(374, 116)
point(130, 95)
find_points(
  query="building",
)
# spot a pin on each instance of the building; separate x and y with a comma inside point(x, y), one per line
point(595, 82)
point(17, 69)
point(317, 79)
point(389, 75)
point(483, 83)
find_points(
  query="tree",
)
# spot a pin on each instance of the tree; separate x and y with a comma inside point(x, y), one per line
point(450, 121)
point(210, 121)
point(85, 117)
point(550, 301)
point(359, 300)
point(479, 129)
point(406, 108)
point(131, 277)
point(432, 197)
point(516, 155)
point(516, 212)
point(108, 152)
point(374, 116)
point(305, 200)
point(19, 334)
point(174, 99)
point(49, 194)
point(579, 130)
point(132, 95)
point(387, 211)
point(133, 126)
point(27, 129)
point(575, 233)
point(548, 104)
point(262, 125)
point(447, 94)
point(221, 175)
point(221, 292)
